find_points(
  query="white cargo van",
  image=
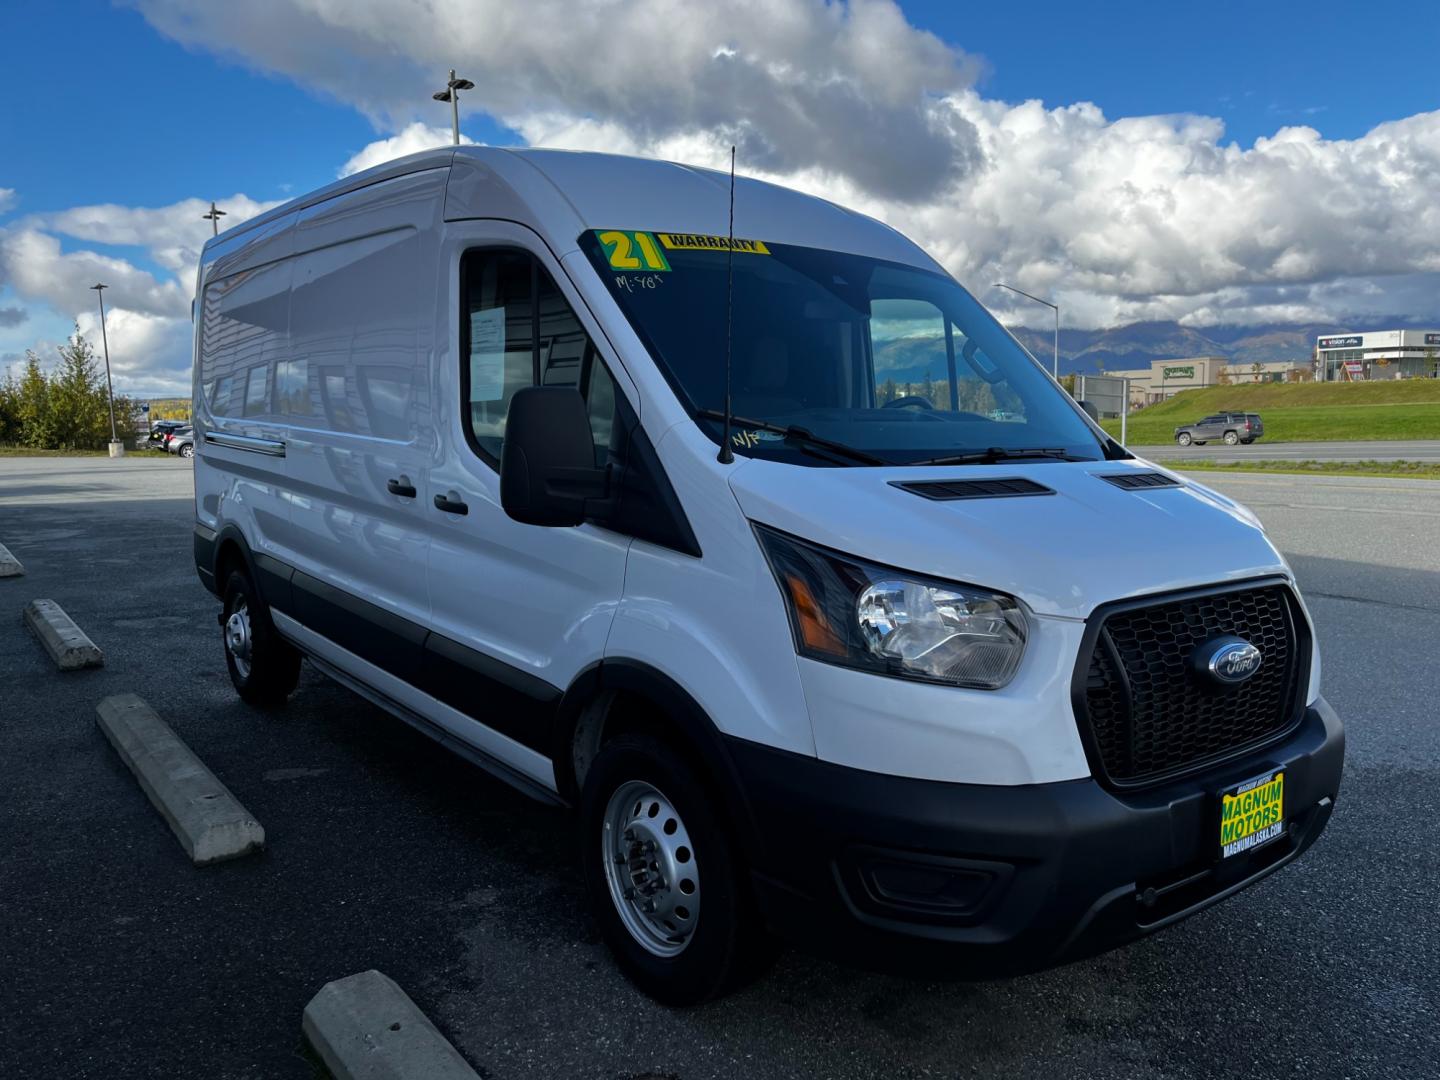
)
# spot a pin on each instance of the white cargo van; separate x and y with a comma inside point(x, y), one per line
point(918, 668)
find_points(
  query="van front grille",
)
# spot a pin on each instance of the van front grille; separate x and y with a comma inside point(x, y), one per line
point(1149, 714)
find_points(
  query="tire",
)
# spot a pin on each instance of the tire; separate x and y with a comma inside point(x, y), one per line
point(187, 451)
point(711, 940)
point(263, 666)
point(1184, 438)
point(1231, 438)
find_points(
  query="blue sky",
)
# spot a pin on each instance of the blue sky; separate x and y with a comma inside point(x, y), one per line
point(150, 122)
point(106, 106)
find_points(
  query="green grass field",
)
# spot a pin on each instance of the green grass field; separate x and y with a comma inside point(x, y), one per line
point(1302, 412)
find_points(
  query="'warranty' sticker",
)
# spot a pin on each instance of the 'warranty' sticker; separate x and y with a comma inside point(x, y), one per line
point(698, 242)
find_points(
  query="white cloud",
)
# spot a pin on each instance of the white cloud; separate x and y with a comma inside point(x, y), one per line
point(1155, 217)
point(7, 199)
point(147, 314)
point(851, 88)
point(411, 140)
point(149, 354)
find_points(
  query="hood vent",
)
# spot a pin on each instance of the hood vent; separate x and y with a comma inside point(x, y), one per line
point(1137, 481)
point(948, 490)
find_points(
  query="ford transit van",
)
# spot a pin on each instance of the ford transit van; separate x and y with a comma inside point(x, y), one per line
point(764, 547)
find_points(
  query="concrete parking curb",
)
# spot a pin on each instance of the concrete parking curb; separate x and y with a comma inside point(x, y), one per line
point(208, 820)
point(9, 564)
point(66, 643)
point(364, 1027)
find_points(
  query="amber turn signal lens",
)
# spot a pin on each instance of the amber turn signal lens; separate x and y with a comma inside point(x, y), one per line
point(815, 629)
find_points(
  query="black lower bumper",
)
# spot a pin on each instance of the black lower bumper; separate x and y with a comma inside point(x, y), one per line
point(977, 881)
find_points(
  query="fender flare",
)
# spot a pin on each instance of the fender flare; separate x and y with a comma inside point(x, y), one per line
point(680, 709)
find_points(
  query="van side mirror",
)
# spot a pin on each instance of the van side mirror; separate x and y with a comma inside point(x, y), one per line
point(547, 463)
point(1090, 410)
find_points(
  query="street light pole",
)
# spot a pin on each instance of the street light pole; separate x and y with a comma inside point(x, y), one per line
point(116, 450)
point(1055, 361)
point(214, 217)
point(451, 93)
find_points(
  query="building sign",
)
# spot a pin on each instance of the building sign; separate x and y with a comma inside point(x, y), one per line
point(1432, 339)
point(1355, 367)
point(1185, 372)
point(1354, 341)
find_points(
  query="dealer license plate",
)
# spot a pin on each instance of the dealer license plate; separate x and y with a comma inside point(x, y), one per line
point(1252, 813)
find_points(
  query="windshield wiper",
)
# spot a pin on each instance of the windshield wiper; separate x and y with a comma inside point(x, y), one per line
point(795, 433)
point(1001, 453)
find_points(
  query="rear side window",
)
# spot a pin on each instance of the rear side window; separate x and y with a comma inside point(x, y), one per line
point(518, 330)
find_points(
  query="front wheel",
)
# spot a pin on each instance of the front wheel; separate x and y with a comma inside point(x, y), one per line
point(263, 666)
point(665, 881)
point(1184, 438)
point(187, 451)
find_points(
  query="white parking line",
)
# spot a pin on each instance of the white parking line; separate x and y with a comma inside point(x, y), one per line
point(208, 820)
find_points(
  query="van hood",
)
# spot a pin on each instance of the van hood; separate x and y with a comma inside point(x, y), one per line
point(1063, 554)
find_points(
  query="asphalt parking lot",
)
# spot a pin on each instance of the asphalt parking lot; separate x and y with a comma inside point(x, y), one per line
point(118, 958)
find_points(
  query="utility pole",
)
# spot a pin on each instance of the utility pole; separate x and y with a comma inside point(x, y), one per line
point(1055, 361)
point(116, 448)
point(214, 217)
point(451, 93)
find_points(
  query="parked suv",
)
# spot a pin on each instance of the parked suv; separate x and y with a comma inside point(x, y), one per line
point(1229, 427)
point(479, 436)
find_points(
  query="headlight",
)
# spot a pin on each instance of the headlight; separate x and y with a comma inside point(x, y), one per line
point(849, 612)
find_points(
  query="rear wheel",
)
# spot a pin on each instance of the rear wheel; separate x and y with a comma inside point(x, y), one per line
point(1184, 438)
point(1231, 438)
point(665, 880)
point(263, 667)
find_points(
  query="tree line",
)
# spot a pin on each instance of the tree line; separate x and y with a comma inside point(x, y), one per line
point(66, 409)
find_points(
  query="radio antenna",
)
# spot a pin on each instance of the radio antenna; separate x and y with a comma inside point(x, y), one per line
point(726, 456)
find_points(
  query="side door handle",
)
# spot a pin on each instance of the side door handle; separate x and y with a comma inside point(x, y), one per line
point(401, 487)
point(451, 506)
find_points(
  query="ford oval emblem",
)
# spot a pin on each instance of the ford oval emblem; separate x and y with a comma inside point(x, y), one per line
point(1232, 660)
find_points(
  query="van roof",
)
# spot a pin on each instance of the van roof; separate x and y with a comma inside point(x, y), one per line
point(563, 193)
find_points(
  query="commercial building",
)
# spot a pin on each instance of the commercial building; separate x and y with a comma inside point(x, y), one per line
point(1379, 354)
point(1166, 378)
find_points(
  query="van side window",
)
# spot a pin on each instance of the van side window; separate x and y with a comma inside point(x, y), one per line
point(517, 331)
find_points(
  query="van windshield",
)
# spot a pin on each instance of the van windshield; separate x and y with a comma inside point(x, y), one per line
point(899, 363)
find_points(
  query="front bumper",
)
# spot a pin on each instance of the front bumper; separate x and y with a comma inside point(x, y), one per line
point(978, 881)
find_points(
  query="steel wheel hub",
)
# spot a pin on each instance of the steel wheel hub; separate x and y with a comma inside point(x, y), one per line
point(237, 637)
point(651, 869)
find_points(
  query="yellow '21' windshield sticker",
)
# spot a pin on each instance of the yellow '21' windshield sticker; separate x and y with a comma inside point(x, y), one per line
point(632, 250)
point(697, 242)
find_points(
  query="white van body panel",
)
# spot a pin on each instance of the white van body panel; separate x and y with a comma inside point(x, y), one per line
point(360, 323)
point(715, 625)
point(541, 600)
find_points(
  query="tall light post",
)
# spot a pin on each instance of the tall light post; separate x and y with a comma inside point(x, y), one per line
point(116, 450)
point(451, 93)
point(1055, 363)
point(214, 217)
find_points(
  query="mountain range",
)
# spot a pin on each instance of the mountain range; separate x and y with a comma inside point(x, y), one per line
point(1137, 344)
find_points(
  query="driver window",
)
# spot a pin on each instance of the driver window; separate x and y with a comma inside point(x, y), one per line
point(922, 362)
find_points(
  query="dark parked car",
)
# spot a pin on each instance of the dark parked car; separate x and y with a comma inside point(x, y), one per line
point(161, 430)
point(1229, 427)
